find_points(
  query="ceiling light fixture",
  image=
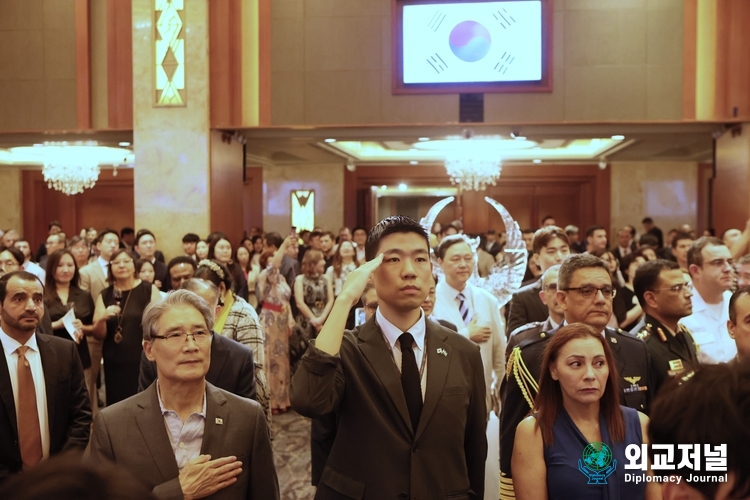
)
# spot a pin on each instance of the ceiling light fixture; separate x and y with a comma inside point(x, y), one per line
point(424, 139)
point(413, 162)
point(618, 137)
point(537, 160)
point(473, 171)
point(329, 140)
point(402, 187)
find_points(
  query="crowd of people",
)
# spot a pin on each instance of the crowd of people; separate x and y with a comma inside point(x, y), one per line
point(417, 387)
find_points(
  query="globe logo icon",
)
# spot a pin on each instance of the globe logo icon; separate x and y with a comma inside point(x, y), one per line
point(470, 41)
point(597, 456)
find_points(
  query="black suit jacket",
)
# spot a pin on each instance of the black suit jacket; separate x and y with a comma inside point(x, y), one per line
point(633, 367)
point(526, 306)
point(232, 368)
point(376, 453)
point(68, 407)
point(323, 433)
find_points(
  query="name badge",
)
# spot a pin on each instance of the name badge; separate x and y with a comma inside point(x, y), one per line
point(676, 365)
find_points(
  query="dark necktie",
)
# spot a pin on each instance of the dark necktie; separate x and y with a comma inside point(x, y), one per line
point(410, 380)
point(29, 434)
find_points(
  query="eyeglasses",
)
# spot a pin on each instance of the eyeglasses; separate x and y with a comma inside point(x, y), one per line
point(677, 288)
point(552, 287)
point(176, 339)
point(371, 306)
point(589, 291)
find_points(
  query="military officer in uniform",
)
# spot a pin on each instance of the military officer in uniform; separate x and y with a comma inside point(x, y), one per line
point(548, 294)
point(585, 293)
point(664, 295)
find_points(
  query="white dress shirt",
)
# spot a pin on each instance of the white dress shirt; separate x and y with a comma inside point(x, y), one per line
point(10, 346)
point(391, 333)
point(708, 324)
point(104, 265)
point(34, 269)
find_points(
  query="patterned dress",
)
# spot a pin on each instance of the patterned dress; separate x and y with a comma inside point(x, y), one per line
point(275, 316)
point(315, 293)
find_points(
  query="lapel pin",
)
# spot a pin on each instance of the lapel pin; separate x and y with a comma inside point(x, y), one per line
point(219, 421)
point(613, 340)
point(442, 351)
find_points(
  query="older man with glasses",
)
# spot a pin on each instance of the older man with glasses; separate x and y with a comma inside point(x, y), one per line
point(183, 437)
point(712, 269)
point(664, 295)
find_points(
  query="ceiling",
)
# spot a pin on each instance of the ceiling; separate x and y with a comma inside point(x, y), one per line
point(400, 144)
point(562, 143)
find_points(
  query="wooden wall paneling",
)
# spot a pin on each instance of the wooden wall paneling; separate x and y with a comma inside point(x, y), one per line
point(252, 199)
point(351, 213)
point(110, 203)
point(120, 64)
point(689, 58)
point(723, 14)
point(705, 176)
point(226, 185)
point(225, 62)
point(264, 62)
point(738, 60)
point(83, 65)
point(731, 187)
point(562, 201)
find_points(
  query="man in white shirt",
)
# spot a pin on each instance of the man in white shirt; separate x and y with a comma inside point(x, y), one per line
point(710, 265)
point(43, 395)
point(28, 265)
point(476, 313)
point(94, 279)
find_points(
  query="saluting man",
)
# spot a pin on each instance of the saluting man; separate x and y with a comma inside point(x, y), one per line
point(664, 295)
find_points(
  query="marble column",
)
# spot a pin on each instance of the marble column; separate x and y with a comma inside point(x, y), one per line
point(172, 143)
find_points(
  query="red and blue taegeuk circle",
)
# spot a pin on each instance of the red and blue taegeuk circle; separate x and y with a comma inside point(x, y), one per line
point(470, 41)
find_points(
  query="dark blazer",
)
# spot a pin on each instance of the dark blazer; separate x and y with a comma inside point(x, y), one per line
point(162, 274)
point(526, 306)
point(132, 434)
point(231, 368)
point(68, 407)
point(633, 367)
point(323, 433)
point(376, 453)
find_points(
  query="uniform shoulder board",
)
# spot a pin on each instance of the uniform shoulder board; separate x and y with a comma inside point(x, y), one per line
point(643, 334)
point(533, 340)
point(527, 326)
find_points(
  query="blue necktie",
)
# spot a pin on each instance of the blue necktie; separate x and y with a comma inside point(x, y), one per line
point(463, 308)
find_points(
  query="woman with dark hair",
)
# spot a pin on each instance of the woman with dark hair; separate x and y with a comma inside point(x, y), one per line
point(201, 250)
point(145, 271)
point(220, 250)
point(79, 247)
point(313, 293)
point(278, 321)
point(578, 430)
point(344, 262)
point(61, 294)
point(242, 258)
point(237, 320)
point(626, 295)
point(117, 321)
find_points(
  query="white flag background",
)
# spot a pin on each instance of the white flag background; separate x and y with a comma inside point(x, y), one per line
point(515, 52)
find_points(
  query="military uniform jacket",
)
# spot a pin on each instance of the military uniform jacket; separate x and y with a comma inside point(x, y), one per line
point(671, 355)
point(522, 379)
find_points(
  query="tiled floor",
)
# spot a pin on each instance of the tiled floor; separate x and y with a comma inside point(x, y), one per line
point(291, 447)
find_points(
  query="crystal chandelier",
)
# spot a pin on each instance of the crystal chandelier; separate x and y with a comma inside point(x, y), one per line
point(473, 171)
point(67, 171)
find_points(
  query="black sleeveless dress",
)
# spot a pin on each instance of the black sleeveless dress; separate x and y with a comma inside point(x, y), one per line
point(122, 362)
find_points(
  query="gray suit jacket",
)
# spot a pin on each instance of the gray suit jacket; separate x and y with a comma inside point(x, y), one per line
point(132, 434)
point(93, 279)
point(376, 453)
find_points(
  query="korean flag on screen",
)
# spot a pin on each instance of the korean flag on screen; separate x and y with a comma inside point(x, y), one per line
point(473, 42)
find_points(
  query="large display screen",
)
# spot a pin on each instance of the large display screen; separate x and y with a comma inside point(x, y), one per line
point(472, 42)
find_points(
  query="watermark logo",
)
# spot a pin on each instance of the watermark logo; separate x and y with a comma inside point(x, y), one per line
point(597, 463)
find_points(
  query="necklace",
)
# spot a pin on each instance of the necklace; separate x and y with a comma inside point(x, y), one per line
point(121, 316)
